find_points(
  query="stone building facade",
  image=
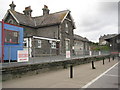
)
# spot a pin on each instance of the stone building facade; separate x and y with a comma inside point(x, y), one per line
point(51, 33)
point(114, 43)
point(102, 40)
point(81, 45)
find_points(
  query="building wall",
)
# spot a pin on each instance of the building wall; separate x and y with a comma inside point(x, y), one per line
point(78, 47)
point(102, 41)
point(50, 32)
point(29, 31)
point(114, 44)
point(64, 35)
point(56, 31)
point(81, 47)
point(86, 48)
point(45, 49)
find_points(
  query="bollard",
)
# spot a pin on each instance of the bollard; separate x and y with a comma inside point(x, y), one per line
point(71, 71)
point(113, 57)
point(103, 61)
point(93, 65)
point(109, 59)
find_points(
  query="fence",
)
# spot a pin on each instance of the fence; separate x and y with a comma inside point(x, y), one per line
point(36, 55)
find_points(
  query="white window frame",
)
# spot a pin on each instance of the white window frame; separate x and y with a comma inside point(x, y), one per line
point(25, 41)
point(53, 45)
point(66, 26)
point(39, 44)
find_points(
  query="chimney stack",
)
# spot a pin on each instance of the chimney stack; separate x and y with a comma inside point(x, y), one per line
point(12, 6)
point(45, 10)
point(28, 11)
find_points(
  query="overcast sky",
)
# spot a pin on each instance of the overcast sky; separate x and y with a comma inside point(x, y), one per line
point(92, 17)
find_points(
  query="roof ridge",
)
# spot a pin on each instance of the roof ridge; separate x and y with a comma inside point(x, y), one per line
point(85, 38)
point(39, 21)
point(41, 15)
point(16, 12)
point(51, 13)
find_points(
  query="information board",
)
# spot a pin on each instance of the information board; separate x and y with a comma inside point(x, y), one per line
point(23, 56)
point(67, 54)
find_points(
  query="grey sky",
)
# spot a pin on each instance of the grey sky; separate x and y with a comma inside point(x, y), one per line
point(92, 17)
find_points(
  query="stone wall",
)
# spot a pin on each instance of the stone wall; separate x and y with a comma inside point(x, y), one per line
point(66, 35)
point(32, 69)
point(45, 49)
point(49, 32)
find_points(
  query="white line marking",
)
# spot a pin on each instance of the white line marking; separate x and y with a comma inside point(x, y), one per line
point(111, 75)
point(99, 76)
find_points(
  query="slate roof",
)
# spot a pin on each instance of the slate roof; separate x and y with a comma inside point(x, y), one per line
point(40, 21)
point(108, 36)
point(23, 19)
point(77, 37)
point(51, 19)
point(111, 36)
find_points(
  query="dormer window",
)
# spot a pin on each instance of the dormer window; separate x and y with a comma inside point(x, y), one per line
point(66, 27)
point(10, 21)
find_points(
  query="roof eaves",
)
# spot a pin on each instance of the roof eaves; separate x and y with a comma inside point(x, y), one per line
point(73, 22)
point(65, 16)
point(13, 16)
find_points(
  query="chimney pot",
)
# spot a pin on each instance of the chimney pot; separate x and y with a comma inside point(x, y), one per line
point(45, 10)
point(28, 11)
point(12, 6)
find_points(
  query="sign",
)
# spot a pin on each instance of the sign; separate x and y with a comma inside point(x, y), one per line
point(67, 54)
point(90, 53)
point(99, 52)
point(22, 55)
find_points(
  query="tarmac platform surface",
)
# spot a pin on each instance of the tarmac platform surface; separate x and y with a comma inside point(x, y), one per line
point(83, 74)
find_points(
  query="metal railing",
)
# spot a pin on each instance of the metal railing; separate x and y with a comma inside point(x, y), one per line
point(37, 55)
